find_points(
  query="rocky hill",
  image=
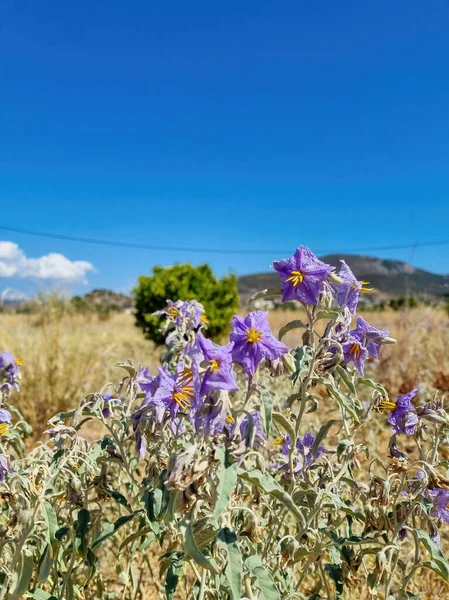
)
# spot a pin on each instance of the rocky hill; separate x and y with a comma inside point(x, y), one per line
point(106, 298)
point(390, 278)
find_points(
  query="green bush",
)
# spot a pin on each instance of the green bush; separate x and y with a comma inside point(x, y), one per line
point(403, 302)
point(185, 282)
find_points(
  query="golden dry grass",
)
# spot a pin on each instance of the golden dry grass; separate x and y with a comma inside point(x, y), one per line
point(68, 356)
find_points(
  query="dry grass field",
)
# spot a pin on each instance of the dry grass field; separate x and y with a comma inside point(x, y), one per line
point(66, 356)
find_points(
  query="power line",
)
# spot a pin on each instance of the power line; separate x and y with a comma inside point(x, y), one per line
point(119, 244)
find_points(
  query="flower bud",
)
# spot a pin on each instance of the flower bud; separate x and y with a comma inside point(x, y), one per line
point(387, 340)
point(288, 362)
point(334, 278)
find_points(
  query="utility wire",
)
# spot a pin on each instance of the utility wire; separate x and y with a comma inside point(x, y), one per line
point(119, 244)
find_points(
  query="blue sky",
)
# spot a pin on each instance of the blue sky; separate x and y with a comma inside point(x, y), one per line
point(227, 125)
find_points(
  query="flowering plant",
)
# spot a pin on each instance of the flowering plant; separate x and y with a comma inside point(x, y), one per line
point(240, 470)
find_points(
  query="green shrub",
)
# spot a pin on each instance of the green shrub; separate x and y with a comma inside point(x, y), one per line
point(403, 302)
point(185, 282)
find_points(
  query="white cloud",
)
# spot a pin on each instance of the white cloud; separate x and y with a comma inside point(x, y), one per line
point(51, 267)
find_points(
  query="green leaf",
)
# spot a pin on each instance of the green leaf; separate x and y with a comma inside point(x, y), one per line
point(128, 366)
point(61, 533)
point(118, 497)
point(233, 569)
point(265, 293)
point(345, 376)
point(271, 487)
point(303, 356)
point(373, 384)
point(265, 583)
point(344, 402)
point(51, 522)
point(266, 411)
point(45, 564)
point(113, 527)
point(296, 324)
point(157, 499)
point(142, 533)
point(173, 573)
point(82, 529)
point(192, 549)
point(438, 564)
point(335, 573)
point(25, 573)
point(324, 430)
point(227, 480)
point(331, 315)
point(39, 594)
point(281, 420)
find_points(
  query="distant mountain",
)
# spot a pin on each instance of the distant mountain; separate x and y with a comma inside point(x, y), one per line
point(390, 278)
point(107, 298)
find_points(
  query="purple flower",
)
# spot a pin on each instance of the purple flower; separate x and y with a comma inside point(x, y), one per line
point(251, 430)
point(9, 365)
point(404, 418)
point(302, 275)
point(109, 401)
point(176, 391)
point(440, 501)
point(210, 417)
point(349, 291)
point(369, 336)
point(304, 456)
point(253, 341)
point(185, 314)
point(304, 447)
point(5, 421)
point(355, 352)
point(219, 374)
point(5, 467)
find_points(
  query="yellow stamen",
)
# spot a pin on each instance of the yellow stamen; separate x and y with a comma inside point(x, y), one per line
point(185, 377)
point(253, 335)
point(387, 404)
point(296, 278)
point(172, 312)
point(355, 350)
point(214, 365)
point(279, 441)
point(183, 398)
point(230, 419)
point(18, 361)
point(204, 319)
point(4, 428)
point(364, 290)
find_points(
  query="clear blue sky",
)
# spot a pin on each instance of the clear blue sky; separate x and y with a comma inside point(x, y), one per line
point(224, 124)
